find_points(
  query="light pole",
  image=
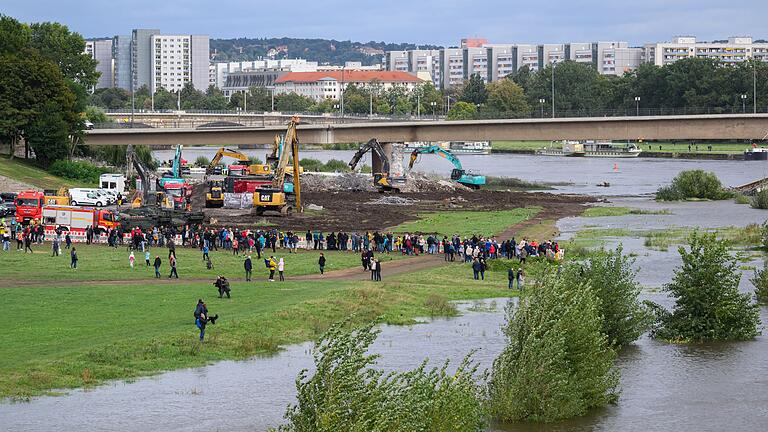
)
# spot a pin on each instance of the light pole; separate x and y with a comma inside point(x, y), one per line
point(273, 100)
point(245, 101)
point(342, 90)
point(554, 62)
point(133, 100)
point(370, 102)
point(637, 105)
point(418, 105)
point(754, 87)
point(541, 106)
point(433, 104)
point(743, 104)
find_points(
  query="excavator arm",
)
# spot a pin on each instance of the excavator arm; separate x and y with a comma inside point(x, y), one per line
point(381, 179)
point(226, 152)
point(287, 141)
point(176, 168)
point(458, 174)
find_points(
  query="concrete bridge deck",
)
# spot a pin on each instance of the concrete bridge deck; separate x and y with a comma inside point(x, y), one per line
point(728, 126)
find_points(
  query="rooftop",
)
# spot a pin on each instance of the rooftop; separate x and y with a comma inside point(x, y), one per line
point(349, 76)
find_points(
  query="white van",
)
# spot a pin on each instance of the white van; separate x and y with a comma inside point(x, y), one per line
point(114, 182)
point(87, 197)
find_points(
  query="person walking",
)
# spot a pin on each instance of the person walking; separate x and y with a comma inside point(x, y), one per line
point(476, 268)
point(157, 265)
point(146, 257)
point(68, 240)
point(205, 252)
point(27, 243)
point(520, 280)
point(511, 278)
point(73, 259)
point(483, 266)
point(281, 269)
point(321, 263)
point(272, 265)
point(55, 245)
point(172, 262)
point(248, 266)
point(131, 259)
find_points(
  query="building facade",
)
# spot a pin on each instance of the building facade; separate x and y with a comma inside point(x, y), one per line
point(177, 60)
point(101, 51)
point(121, 59)
point(735, 49)
point(324, 85)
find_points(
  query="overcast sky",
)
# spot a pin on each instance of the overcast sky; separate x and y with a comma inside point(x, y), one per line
point(441, 22)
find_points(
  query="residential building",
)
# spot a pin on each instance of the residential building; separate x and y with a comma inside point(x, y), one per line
point(101, 51)
point(329, 84)
point(142, 62)
point(177, 60)
point(735, 49)
point(121, 59)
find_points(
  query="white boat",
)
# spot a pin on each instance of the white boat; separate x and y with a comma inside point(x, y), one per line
point(605, 149)
point(470, 147)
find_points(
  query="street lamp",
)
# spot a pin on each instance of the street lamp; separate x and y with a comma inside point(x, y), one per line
point(541, 106)
point(743, 104)
point(433, 104)
point(273, 99)
point(637, 105)
point(554, 62)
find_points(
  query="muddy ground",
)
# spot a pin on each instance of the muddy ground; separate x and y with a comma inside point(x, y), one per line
point(363, 211)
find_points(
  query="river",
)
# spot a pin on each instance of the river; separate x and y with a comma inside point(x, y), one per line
point(711, 387)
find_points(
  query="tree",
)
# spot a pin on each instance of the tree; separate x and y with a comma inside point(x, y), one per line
point(55, 42)
point(427, 94)
point(111, 98)
point(14, 36)
point(521, 77)
point(236, 101)
point(259, 99)
point(191, 98)
point(708, 304)
point(474, 90)
point(292, 102)
point(557, 363)
point(611, 276)
point(576, 87)
point(48, 135)
point(96, 115)
point(216, 101)
point(462, 111)
point(507, 98)
point(164, 100)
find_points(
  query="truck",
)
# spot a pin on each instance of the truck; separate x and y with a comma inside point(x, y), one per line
point(78, 219)
point(29, 206)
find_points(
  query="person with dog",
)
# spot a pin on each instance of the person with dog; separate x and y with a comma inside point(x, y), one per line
point(202, 319)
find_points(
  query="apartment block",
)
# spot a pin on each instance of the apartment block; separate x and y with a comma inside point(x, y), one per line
point(177, 60)
point(330, 84)
point(101, 51)
point(121, 59)
point(735, 49)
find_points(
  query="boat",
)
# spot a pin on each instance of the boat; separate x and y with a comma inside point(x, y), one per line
point(605, 149)
point(756, 153)
point(470, 147)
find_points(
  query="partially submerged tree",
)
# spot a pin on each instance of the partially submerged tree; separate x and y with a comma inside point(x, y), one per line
point(708, 304)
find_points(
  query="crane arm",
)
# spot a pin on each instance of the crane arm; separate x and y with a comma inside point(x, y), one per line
point(226, 152)
point(373, 146)
point(438, 151)
point(176, 168)
point(289, 139)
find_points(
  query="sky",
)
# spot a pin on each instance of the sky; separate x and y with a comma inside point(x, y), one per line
point(439, 22)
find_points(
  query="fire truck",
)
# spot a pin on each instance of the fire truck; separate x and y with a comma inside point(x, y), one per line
point(77, 219)
point(29, 206)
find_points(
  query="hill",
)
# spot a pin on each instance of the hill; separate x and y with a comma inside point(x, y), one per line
point(319, 50)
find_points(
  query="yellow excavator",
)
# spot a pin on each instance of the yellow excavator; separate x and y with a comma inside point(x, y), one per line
point(253, 169)
point(273, 198)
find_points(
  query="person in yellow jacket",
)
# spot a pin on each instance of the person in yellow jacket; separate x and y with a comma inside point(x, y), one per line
point(272, 268)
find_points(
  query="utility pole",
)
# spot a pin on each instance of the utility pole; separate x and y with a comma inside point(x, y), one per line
point(370, 103)
point(418, 105)
point(342, 90)
point(178, 100)
point(273, 100)
point(133, 100)
point(754, 87)
point(553, 88)
point(245, 101)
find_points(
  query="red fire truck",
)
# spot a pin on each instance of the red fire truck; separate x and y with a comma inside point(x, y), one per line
point(77, 219)
point(29, 206)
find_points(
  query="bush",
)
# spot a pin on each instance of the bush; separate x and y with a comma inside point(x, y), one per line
point(85, 172)
point(316, 165)
point(760, 200)
point(613, 279)
point(202, 161)
point(742, 199)
point(557, 363)
point(708, 305)
point(347, 394)
point(310, 164)
point(335, 165)
point(254, 160)
point(760, 281)
point(696, 184)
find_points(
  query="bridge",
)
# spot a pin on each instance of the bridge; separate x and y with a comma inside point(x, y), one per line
point(724, 126)
point(202, 119)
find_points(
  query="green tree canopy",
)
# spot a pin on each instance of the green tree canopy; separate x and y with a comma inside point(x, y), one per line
point(55, 42)
point(474, 90)
point(292, 102)
point(505, 96)
point(462, 111)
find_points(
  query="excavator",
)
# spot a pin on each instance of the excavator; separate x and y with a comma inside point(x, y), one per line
point(274, 198)
point(458, 174)
point(382, 179)
point(253, 169)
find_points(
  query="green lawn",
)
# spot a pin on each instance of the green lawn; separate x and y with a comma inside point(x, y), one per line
point(654, 146)
point(619, 211)
point(99, 262)
point(19, 170)
point(467, 223)
point(74, 336)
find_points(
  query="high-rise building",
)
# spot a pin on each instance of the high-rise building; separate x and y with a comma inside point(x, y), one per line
point(176, 60)
point(141, 57)
point(101, 51)
point(121, 59)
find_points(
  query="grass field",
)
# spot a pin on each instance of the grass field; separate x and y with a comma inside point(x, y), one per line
point(619, 211)
point(99, 262)
point(75, 336)
point(24, 172)
point(467, 223)
point(666, 147)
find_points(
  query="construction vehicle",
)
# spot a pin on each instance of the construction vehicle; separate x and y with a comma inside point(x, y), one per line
point(56, 197)
point(458, 174)
point(382, 179)
point(243, 160)
point(174, 176)
point(215, 195)
point(29, 206)
point(274, 198)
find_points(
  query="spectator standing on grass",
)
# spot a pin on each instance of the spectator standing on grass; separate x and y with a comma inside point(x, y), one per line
point(272, 266)
point(364, 260)
point(378, 271)
point(55, 245)
point(146, 257)
point(172, 262)
point(68, 240)
point(373, 270)
point(248, 266)
point(131, 259)
point(28, 243)
point(73, 259)
point(157, 265)
point(476, 266)
point(511, 278)
point(520, 280)
point(281, 269)
point(235, 246)
point(205, 251)
point(321, 263)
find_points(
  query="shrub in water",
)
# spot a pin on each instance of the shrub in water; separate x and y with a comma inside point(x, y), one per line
point(760, 200)
point(557, 363)
point(334, 165)
point(708, 304)
point(760, 281)
point(202, 161)
point(347, 394)
point(693, 184)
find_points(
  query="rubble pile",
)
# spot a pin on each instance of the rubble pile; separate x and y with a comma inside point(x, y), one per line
point(415, 182)
point(393, 200)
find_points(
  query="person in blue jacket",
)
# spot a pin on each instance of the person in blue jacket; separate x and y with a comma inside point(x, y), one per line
point(202, 318)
